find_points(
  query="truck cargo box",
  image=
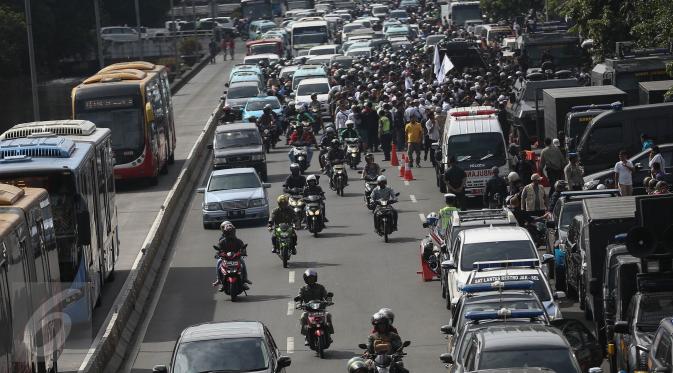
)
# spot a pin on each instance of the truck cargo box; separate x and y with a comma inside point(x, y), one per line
point(653, 92)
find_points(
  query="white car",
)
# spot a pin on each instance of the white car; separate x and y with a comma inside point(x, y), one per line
point(324, 49)
point(360, 52)
point(485, 244)
point(119, 33)
point(519, 270)
point(254, 59)
point(309, 86)
point(323, 60)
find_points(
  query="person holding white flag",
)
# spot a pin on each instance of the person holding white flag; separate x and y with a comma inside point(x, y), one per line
point(437, 63)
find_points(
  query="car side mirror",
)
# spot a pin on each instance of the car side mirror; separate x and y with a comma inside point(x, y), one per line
point(297, 298)
point(160, 369)
point(362, 346)
point(559, 295)
point(226, 85)
point(447, 329)
point(84, 228)
point(594, 287)
point(383, 170)
point(446, 358)
point(621, 327)
point(551, 224)
point(283, 362)
point(266, 185)
point(638, 166)
point(425, 224)
point(225, 92)
point(448, 265)
point(210, 146)
point(406, 344)
point(200, 190)
point(397, 194)
point(434, 145)
point(547, 258)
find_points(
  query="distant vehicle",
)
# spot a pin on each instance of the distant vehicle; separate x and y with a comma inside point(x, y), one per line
point(237, 145)
point(432, 40)
point(227, 342)
point(305, 35)
point(380, 11)
point(653, 92)
point(307, 72)
point(257, 28)
point(255, 107)
point(362, 52)
point(235, 194)
point(322, 60)
point(321, 87)
point(661, 357)
point(245, 69)
point(270, 58)
point(287, 72)
point(265, 46)
point(462, 11)
point(238, 94)
point(247, 77)
point(409, 5)
point(256, 9)
point(119, 34)
point(324, 49)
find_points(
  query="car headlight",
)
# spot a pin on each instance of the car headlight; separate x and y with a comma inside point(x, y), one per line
point(292, 202)
point(212, 206)
point(257, 157)
point(591, 184)
point(257, 202)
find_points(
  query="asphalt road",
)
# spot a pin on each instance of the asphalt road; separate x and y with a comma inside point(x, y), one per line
point(138, 203)
point(364, 273)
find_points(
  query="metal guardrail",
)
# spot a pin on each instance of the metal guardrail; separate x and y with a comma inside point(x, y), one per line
point(156, 47)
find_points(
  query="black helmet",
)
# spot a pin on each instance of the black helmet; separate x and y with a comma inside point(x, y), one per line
point(335, 142)
point(310, 276)
point(295, 169)
point(560, 186)
point(450, 198)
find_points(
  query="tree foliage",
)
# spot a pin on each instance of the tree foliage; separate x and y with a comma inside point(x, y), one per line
point(509, 9)
point(12, 42)
point(123, 12)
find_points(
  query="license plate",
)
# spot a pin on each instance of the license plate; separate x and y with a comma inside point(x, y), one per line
point(232, 263)
point(476, 191)
point(236, 214)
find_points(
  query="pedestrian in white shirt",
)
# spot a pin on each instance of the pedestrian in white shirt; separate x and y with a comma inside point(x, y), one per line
point(341, 117)
point(432, 135)
point(624, 174)
point(656, 157)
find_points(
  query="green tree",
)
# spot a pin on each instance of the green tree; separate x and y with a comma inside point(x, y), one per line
point(122, 12)
point(508, 9)
point(12, 42)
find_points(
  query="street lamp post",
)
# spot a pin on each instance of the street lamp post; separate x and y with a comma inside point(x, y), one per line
point(31, 58)
point(140, 36)
point(99, 40)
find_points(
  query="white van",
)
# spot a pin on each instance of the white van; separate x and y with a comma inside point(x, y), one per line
point(473, 135)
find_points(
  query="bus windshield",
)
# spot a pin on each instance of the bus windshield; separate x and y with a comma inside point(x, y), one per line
point(126, 126)
point(310, 35)
point(263, 48)
point(477, 147)
point(256, 9)
point(462, 13)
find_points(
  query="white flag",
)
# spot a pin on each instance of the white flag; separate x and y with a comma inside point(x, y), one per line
point(441, 74)
point(447, 64)
point(436, 61)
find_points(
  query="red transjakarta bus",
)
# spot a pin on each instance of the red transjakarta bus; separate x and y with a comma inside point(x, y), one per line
point(133, 100)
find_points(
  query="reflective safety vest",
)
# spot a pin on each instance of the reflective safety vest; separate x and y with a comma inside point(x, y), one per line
point(446, 217)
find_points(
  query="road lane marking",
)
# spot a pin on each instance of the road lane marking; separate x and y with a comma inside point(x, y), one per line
point(290, 345)
point(413, 198)
point(422, 217)
point(291, 277)
point(290, 308)
point(406, 182)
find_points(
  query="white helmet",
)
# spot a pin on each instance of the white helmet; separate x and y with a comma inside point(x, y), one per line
point(381, 179)
point(513, 176)
point(311, 178)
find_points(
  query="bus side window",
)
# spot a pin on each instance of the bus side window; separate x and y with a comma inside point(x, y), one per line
point(5, 316)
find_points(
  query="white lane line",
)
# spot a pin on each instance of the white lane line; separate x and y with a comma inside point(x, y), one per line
point(422, 217)
point(290, 308)
point(291, 277)
point(406, 182)
point(413, 198)
point(290, 345)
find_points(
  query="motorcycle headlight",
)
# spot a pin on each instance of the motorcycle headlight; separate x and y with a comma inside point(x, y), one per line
point(257, 202)
point(257, 157)
point(316, 212)
point(591, 184)
point(292, 202)
point(212, 206)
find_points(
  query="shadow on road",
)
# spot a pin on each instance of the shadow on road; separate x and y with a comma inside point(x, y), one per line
point(403, 239)
point(339, 354)
point(311, 265)
point(260, 298)
point(339, 234)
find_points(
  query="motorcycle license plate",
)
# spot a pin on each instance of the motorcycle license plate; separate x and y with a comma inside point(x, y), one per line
point(318, 314)
point(236, 214)
point(232, 263)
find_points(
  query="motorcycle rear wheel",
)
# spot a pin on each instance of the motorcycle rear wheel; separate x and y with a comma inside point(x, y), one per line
point(320, 349)
point(385, 231)
point(232, 292)
point(285, 256)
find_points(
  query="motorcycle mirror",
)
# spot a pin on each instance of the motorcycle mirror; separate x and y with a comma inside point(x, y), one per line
point(360, 172)
point(383, 170)
point(216, 248)
point(297, 298)
point(397, 194)
point(330, 295)
point(425, 225)
point(362, 346)
point(447, 329)
point(406, 344)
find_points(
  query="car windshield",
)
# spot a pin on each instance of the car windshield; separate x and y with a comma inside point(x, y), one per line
point(433, 39)
point(398, 14)
point(495, 251)
point(558, 359)
point(359, 53)
point(310, 38)
point(257, 105)
point(232, 139)
point(539, 285)
point(125, 124)
point(321, 51)
point(297, 79)
point(308, 89)
point(477, 146)
point(255, 60)
point(246, 180)
point(243, 91)
point(221, 355)
point(352, 27)
point(263, 48)
point(570, 210)
point(652, 310)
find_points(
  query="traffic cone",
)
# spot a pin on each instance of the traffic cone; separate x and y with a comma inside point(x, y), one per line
point(408, 176)
point(393, 158)
point(402, 167)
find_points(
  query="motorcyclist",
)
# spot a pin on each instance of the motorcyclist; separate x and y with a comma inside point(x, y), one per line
point(335, 155)
point(313, 291)
point(282, 214)
point(446, 213)
point(227, 115)
point(326, 143)
point(559, 187)
point(349, 132)
point(268, 119)
point(314, 107)
point(295, 179)
point(387, 312)
point(300, 137)
point(496, 188)
point(383, 192)
point(313, 189)
point(230, 243)
point(304, 116)
point(371, 170)
point(383, 334)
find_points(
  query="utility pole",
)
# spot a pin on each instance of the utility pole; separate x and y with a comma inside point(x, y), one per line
point(99, 40)
point(193, 11)
point(175, 39)
point(140, 36)
point(213, 11)
point(31, 58)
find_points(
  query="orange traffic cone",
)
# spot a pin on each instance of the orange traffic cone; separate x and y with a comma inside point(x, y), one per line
point(402, 167)
point(393, 158)
point(408, 176)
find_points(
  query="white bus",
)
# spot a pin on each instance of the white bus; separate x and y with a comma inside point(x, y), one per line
point(307, 34)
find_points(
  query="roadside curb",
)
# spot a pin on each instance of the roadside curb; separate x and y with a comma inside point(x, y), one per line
point(180, 82)
point(119, 328)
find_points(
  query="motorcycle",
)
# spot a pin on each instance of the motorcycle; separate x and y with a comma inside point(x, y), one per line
point(353, 155)
point(316, 327)
point(296, 201)
point(231, 274)
point(315, 221)
point(300, 156)
point(338, 178)
point(284, 233)
point(370, 185)
point(382, 361)
point(384, 217)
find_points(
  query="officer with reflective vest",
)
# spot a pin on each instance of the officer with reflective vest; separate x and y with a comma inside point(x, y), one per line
point(446, 213)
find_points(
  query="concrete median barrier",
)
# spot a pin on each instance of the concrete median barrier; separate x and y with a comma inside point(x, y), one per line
point(117, 333)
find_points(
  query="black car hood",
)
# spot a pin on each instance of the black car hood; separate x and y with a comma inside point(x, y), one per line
point(243, 150)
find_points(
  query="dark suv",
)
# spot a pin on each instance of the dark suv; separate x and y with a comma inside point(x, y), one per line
point(237, 145)
point(660, 359)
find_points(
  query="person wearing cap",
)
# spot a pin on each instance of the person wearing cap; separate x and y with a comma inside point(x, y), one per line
point(414, 133)
point(496, 190)
point(446, 213)
point(574, 173)
point(552, 162)
point(534, 196)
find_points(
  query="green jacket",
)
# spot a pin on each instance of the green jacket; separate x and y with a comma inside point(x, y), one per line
point(446, 217)
point(282, 215)
point(311, 292)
